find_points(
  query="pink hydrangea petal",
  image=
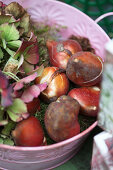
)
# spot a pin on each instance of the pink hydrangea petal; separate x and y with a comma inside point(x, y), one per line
point(30, 93)
point(19, 85)
point(6, 99)
point(42, 86)
point(3, 81)
point(30, 78)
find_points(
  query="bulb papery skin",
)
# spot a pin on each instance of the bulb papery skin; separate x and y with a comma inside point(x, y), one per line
point(57, 85)
point(85, 69)
point(60, 52)
point(88, 98)
point(28, 132)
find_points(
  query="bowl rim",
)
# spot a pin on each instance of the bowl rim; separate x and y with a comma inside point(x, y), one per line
point(52, 146)
point(81, 12)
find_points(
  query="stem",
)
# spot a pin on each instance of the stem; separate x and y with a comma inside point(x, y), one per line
point(1, 113)
point(13, 76)
point(56, 73)
point(8, 128)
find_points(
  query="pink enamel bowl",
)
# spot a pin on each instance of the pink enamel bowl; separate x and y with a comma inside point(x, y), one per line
point(48, 157)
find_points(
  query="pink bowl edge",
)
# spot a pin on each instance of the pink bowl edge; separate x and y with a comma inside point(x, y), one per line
point(52, 146)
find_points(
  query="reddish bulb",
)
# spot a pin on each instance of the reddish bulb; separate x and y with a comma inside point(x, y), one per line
point(28, 132)
point(60, 52)
point(57, 84)
point(88, 98)
point(84, 69)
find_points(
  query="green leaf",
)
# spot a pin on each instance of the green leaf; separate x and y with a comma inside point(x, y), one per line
point(4, 43)
point(3, 122)
point(1, 54)
point(10, 52)
point(12, 20)
point(27, 67)
point(40, 70)
point(13, 117)
point(6, 19)
point(18, 107)
point(3, 136)
point(9, 19)
point(14, 44)
point(8, 142)
point(15, 9)
point(17, 23)
point(8, 128)
point(9, 32)
point(1, 113)
point(1, 140)
point(25, 21)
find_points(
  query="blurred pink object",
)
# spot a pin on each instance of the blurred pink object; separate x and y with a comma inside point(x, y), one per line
point(105, 114)
point(102, 158)
point(48, 157)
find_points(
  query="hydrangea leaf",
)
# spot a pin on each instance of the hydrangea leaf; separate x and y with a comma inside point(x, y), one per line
point(15, 9)
point(1, 54)
point(8, 142)
point(30, 51)
point(12, 19)
point(3, 122)
point(6, 19)
point(10, 52)
point(15, 112)
point(25, 22)
point(9, 32)
point(8, 128)
point(1, 140)
point(32, 55)
point(17, 23)
point(4, 43)
point(17, 117)
point(1, 113)
point(14, 44)
point(14, 117)
point(15, 107)
point(27, 67)
point(39, 70)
